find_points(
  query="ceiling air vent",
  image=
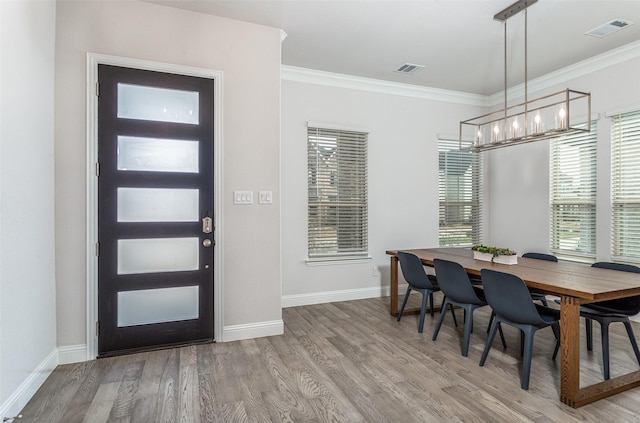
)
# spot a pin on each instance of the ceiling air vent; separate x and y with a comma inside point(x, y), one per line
point(609, 28)
point(409, 68)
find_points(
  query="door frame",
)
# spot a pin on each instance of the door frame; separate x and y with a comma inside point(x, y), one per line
point(93, 60)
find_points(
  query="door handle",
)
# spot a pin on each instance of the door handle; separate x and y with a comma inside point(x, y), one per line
point(207, 225)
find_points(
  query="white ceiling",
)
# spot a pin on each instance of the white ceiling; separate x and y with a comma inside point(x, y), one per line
point(458, 41)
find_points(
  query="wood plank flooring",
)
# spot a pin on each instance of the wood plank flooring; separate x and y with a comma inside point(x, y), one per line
point(339, 362)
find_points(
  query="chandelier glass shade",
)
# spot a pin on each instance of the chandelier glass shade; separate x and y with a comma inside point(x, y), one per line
point(543, 118)
point(561, 113)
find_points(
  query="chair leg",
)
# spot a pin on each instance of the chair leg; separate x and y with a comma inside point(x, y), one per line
point(443, 313)
point(465, 319)
point(423, 310)
point(526, 361)
point(443, 309)
point(504, 343)
point(453, 313)
point(588, 324)
point(487, 346)
point(431, 302)
point(556, 328)
point(404, 303)
point(493, 315)
point(632, 338)
point(604, 328)
point(556, 331)
point(468, 328)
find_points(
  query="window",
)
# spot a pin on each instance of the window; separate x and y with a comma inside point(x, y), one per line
point(625, 184)
point(337, 205)
point(459, 194)
point(573, 194)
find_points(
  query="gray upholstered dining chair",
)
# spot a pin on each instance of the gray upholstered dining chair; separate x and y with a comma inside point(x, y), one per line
point(417, 280)
point(509, 297)
point(458, 290)
point(540, 256)
point(537, 296)
point(607, 312)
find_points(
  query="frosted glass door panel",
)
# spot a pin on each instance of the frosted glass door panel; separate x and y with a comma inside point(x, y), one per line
point(157, 155)
point(157, 255)
point(157, 305)
point(158, 205)
point(157, 104)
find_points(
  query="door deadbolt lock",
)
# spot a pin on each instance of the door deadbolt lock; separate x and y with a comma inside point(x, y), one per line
point(206, 243)
point(207, 225)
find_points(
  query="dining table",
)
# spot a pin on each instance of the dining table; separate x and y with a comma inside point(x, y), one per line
point(574, 283)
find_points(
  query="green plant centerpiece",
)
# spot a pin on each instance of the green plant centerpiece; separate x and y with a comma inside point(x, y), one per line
point(494, 254)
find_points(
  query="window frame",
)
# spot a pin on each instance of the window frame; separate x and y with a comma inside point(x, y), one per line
point(451, 157)
point(337, 199)
point(625, 147)
point(585, 192)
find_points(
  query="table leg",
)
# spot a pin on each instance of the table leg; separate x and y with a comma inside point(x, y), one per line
point(393, 286)
point(570, 351)
point(570, 391)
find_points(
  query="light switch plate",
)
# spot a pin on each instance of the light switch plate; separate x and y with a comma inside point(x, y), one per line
point(265, 197)
point(242, 197)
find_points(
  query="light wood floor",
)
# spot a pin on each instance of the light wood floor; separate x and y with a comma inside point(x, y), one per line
point(342, 362)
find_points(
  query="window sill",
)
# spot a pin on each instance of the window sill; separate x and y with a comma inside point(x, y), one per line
point(331, 261)
point(575, 258)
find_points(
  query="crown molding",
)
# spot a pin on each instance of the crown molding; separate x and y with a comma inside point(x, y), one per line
point(312, 76)
point(585, 67)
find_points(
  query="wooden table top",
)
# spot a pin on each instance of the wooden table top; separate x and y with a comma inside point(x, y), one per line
point(577, 280)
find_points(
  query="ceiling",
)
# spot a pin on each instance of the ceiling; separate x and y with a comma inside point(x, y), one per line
point(458, 41)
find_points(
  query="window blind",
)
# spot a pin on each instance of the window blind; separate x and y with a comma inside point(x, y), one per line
point(573, 194)
point(337, 200)
point(625, 184)
point(459, 182)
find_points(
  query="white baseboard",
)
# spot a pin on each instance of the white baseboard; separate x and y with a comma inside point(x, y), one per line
point(72, 354)
point(334, 296)
point(78, 353)
point(253, 330)
point(21, 396)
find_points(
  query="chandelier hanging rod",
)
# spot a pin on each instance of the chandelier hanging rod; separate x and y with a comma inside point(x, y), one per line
point(517, 124)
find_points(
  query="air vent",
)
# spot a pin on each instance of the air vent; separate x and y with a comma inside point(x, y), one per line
point(409, 68)
point(609, 28)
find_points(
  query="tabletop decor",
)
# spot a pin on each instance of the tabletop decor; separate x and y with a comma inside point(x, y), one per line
point(494, 254)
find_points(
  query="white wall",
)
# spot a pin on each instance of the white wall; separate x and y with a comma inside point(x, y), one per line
point(403, 174)
point(27, 283)
point(518, 206)
point(402, 185)
point(249, 57)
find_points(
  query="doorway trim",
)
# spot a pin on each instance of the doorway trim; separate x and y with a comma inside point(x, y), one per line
point(93, 60)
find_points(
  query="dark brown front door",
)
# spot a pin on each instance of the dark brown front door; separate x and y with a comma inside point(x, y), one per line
point(155, 209)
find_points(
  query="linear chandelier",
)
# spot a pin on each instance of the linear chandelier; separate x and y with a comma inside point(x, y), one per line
point(533, 120)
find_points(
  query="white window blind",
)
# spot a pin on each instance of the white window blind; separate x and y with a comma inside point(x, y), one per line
point(573, 194)
point(337, 204)
point(625, 184)
point(459, 180)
